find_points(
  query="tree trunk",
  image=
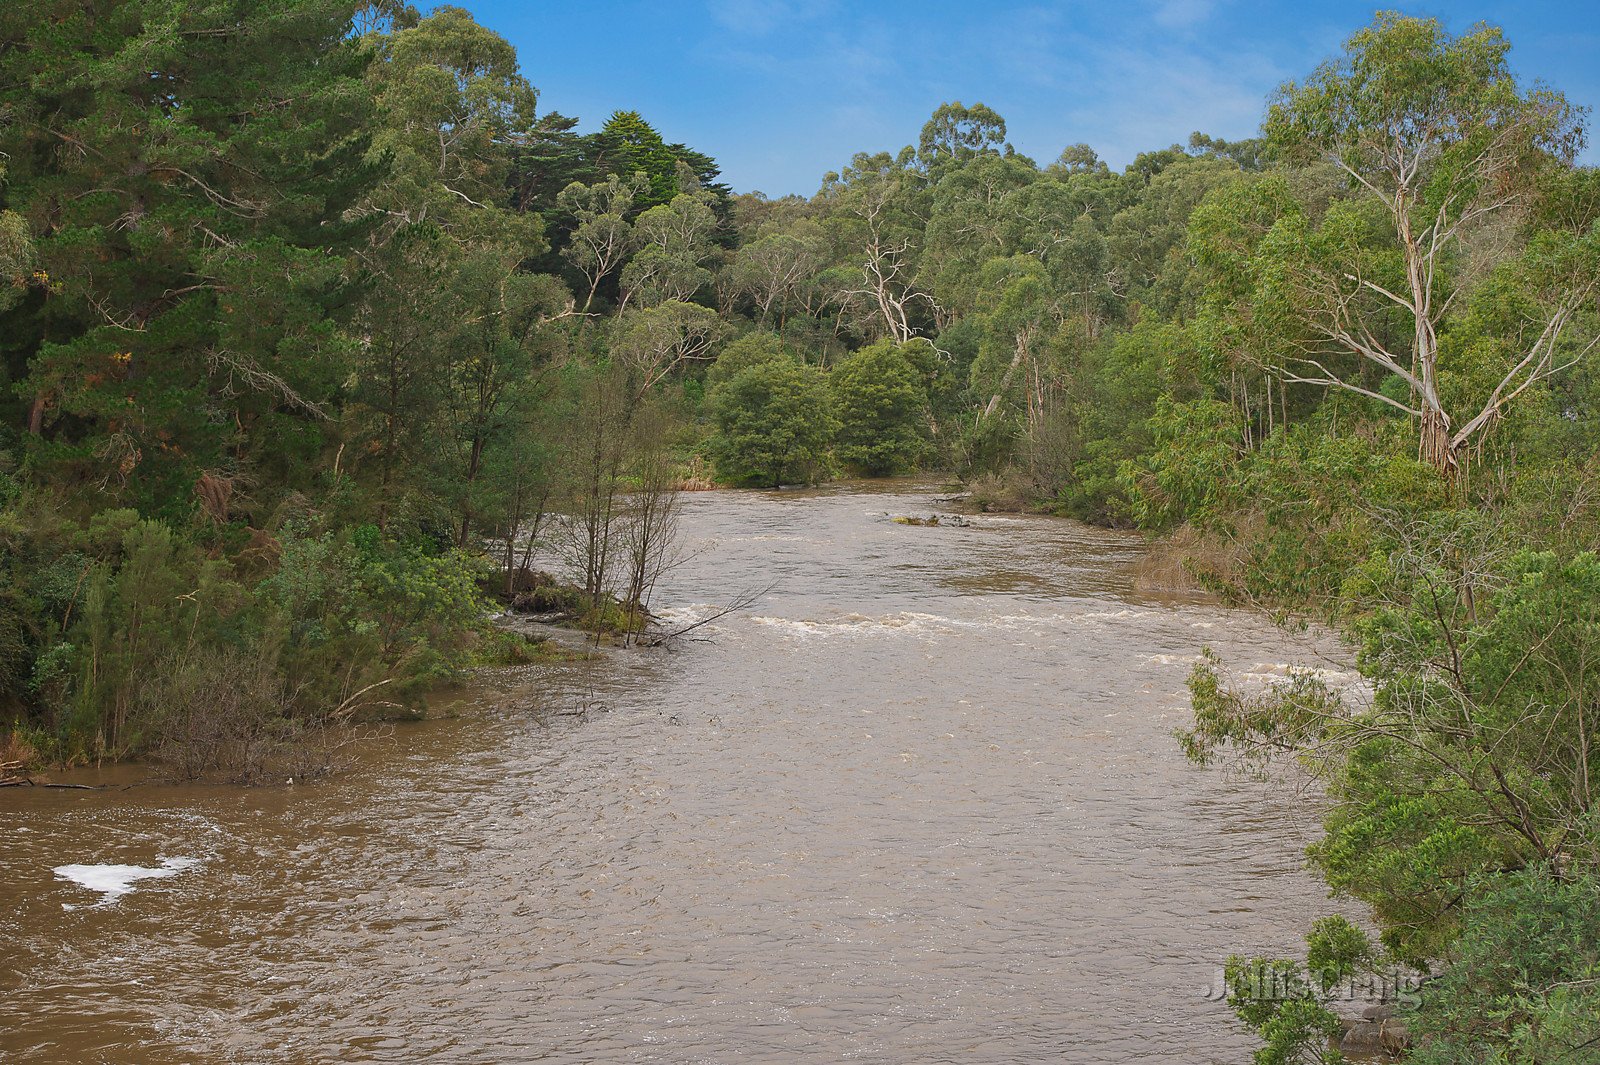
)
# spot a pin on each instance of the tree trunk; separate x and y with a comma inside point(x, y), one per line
point(1017, 356)
point(36, 414)
point(1434, 446)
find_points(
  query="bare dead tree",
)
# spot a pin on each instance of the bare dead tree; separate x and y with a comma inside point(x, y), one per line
point(649, 528)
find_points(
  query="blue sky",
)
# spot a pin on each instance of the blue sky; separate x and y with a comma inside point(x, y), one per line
point(781, 91)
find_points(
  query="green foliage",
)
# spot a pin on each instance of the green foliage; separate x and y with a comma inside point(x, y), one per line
point(278, 349)
point(129, 616)
point(1523, 983)
point(1289, 1005)
point(956, 133)
point(752, 349)
point(1117, 392)
point(1405, 78)
point(1186, 474)
point(882, 408)
point(774, 422)
point(1286, 1007)
point(1472, 758)
point(192, 258)
point(639, 149)
point(348, 611)
point(448, 92)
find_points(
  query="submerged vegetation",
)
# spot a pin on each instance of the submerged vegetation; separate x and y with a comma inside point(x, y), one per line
point(320, 335)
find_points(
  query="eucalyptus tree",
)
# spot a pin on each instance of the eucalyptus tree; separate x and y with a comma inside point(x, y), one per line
point(1248, 335)
point(878, 204)
point(1146, 238)
point(1079, 159)
point(775, 270)
point(1434, 132)
point(1024, 312)
point(453, 328)
point(656, 341)
point(955, 134)
point(1248, 153)
point(674, 239)
point(969, 222)
point(451, 102)
point(500, 344)
point(1062, 222)
point(604, 236)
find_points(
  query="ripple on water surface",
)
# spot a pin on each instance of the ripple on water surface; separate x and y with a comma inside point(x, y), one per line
point(920, 803)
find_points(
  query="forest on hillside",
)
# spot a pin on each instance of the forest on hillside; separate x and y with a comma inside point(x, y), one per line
point(318, 317)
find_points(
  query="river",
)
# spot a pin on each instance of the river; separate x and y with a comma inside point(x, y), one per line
point(920, 803)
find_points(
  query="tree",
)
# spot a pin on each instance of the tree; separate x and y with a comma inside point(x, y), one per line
point(497, 348)
point(600, 406)
point(16, 252)
point(955, 133)
point(772, 269)
point(396, 391)
point(452, 326)
point(1435, 131)
point(193, 247)
point(1146, 238)
point(1523, 984)
point(649, 533)
point(882, 409)
point(1024, 308)
point(451, 101)
point(653, 343)
point(878, 197)
point(1080, 159)
point(1477, 755)
point(629, 145)
point(752, 349)
point(604, 237)
point(773, 424)
point(683, 224)
point(674, 239)
point(970, 220)
point(1249, 153)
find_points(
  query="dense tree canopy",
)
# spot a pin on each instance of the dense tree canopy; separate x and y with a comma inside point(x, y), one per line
point(316, 329)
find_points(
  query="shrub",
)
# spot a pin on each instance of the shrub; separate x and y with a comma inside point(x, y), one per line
point(774, 423)
point(881, 405)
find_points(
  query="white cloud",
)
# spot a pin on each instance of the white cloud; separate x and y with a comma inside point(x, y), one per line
point(1151, 99)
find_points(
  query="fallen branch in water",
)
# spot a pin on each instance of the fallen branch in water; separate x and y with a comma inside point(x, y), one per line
point(349, 706)
point(742, 601)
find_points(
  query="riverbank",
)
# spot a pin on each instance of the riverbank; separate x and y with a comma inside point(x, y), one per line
point(921, 794)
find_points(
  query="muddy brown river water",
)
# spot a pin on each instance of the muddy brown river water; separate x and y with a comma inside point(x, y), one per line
point(920, 804)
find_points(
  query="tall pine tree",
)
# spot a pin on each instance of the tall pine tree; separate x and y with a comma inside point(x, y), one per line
point(185, 170)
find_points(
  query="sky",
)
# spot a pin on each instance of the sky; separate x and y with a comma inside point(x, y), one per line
point(780, 92)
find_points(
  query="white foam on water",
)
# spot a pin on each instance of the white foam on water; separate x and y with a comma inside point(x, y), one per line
point(911, 621)
point(905, 621)
point(115, 881)
point(1167, 660)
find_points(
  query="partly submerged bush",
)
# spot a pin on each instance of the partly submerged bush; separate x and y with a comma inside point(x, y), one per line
point(122, 636)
